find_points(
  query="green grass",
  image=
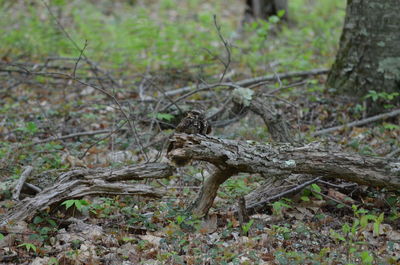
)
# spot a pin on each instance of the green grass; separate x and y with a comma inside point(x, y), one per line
point(170, 34)
point(309, 41)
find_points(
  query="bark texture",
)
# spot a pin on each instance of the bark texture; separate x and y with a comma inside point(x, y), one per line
point(209, 190)
point(82, 182)
point(369, 52)
point(278, 161)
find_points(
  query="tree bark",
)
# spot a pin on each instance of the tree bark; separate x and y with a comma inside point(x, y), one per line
point(208, 192)
point(82, 182)
point(369, 52)
point(279, 161)
point(263, 9)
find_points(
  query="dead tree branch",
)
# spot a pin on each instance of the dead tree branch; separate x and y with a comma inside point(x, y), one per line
point(358, 123)
point(21, 182)
point(280, 161)
point(82, 182)
point(252, 81)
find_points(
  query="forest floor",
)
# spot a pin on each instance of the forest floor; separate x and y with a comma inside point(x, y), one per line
point(65, 104)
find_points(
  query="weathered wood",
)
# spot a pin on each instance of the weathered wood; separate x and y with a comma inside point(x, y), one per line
point(209, 190)
point(274, 119)
point(281, 160)
point(368, 56)
point(274, 190)
point(82, 182)
point(21, 182)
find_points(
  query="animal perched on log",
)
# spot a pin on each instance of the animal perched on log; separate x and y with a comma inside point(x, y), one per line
point(193, 123)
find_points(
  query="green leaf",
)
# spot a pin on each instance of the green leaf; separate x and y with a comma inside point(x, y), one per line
point(68, 203)
point(354, 227)
point(318, 196)
point(128, 239)
point(37, 220)
point(377, 224)
point(180, 219)
point(366, 257)
point(273, 19)
point(28, 246)
point(281, 13)
point(1, 236)
point(246, 227)
point(316, 187)
point(31, 127)
point(352, 250)
point(52, 222)
point(53, 261)
point(346, 228)
point(391, 126)
point(164, 116)
point(45, 230)
point(305, 198)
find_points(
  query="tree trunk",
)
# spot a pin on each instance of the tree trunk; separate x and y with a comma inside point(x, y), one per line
point(263, 9)
point(369, 52)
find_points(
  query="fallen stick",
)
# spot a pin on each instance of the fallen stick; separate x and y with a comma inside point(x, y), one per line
point(358, 123)
point(282, 194)
point(72, 135)
point(251, 81)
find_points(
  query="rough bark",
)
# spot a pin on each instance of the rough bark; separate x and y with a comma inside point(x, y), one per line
point(209, 190)
point(82, 182)
point(369, 53)
point(274, 119)
point(279, 161)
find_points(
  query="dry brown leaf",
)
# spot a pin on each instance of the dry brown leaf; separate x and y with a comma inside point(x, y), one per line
point(341, 197)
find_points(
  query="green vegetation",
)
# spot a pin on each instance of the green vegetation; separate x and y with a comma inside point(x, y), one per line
point(170, 33)
point(174, 43)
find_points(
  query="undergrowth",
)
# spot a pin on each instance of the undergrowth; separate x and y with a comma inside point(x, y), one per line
point(165, 34)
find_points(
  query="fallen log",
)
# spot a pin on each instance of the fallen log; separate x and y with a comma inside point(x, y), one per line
point(279, 161)
point(81, 182)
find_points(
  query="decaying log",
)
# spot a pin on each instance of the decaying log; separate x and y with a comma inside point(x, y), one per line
point(82, 182)
point(280, 161)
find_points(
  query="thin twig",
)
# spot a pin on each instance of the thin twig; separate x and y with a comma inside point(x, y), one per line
point(73, 135)
point(102, 139)
point(338, 186)
point(130, 123)
point(252, 81)
point(79, 58)
point(358, 123)
point(333, 199)
point(284, 87)
point(282, 194)
point(227, 49)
